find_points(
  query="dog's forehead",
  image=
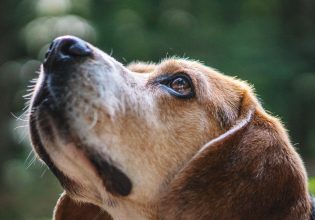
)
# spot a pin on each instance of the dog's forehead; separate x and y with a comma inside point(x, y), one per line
point(170, 66)
point(177, 65)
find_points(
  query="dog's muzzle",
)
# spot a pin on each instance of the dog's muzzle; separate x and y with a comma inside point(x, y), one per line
point(63, 62)
point(64, 56)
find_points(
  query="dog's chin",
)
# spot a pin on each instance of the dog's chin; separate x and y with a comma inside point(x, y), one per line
point(71, 160)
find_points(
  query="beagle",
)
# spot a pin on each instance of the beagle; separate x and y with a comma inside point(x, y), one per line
point(173, 140)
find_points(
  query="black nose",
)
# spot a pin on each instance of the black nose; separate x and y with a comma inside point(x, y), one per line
point(66, 48)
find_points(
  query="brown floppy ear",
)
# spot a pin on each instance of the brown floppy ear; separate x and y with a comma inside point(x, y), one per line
point(249, 172)
point(68, 209)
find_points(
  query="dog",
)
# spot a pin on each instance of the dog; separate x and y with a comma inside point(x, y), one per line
point(173, 140)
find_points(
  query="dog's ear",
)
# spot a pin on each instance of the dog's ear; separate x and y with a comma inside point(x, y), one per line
point(68, 209)
point(249, 172)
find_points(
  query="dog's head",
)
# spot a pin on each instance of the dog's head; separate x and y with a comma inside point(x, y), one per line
point(171, 140)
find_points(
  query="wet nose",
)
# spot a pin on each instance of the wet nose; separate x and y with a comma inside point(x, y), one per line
point(66, 48)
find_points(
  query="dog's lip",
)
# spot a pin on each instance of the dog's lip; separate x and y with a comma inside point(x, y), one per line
point(67, 183)
point(43, 96)
point(40, 96)
point(42, 106)
point(113, 179)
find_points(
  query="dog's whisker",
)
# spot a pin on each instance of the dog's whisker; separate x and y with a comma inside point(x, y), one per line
point(20, 126)
point(124, 59)
point(23, 132)
point(111, 52)
point(18, 117)
point(44, 172)
point(28, 156)
point(86, 109)
point(32, 161)
point(94, 121)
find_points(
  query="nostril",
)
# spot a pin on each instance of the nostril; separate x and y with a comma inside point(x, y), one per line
point(80, 50)
point(49, 50)
point(51, 45)
point(74, 47)
point(66, 49)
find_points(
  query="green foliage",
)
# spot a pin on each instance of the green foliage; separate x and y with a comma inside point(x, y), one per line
point(269, 43)
point(312, 185)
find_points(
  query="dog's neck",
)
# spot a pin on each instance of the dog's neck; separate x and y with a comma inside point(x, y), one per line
point(131, 210)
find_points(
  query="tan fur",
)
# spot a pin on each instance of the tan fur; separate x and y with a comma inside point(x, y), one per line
point(218, 155)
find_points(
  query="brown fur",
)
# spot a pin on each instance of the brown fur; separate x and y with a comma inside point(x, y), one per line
point(68, 209)
point(254, 173)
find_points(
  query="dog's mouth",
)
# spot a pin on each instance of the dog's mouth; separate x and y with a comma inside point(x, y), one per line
point(40, 105)
point(49, 121)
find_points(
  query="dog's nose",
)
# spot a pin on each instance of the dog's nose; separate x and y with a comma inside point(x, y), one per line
point(66, 48)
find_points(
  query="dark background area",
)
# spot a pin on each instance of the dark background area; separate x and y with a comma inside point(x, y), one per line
point(270, 44)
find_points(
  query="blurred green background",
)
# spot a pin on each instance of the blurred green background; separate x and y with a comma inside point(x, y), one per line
point(270, 43)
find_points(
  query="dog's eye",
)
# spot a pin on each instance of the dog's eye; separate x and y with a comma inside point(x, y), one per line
point(178, 85)
point(181, 85)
